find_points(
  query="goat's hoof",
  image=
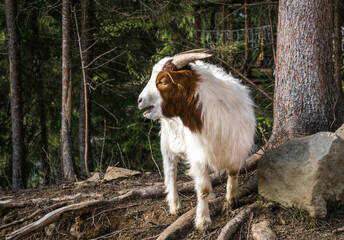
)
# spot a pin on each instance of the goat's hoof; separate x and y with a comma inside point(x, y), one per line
point(203, 225)
point(233, 200)
point(175, 209)
point(177, 212)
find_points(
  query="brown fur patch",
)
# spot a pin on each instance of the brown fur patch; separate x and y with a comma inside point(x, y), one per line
point(205, 192)
point(233, 173)
point(177, 89)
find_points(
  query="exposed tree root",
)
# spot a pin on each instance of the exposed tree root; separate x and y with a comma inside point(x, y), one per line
point(158, 190)
point(73, 210)
point(252, 161)
point(36, 213)
point(185, 222)
point(10, 203)
point(231, 227)
point(263, 231)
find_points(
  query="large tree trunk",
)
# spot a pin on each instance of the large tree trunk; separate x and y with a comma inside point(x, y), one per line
point(67, 156)
point(18, 171)
point(84, 118)
point(306, 98)
point(40, 94)
point(338, 59)
point(246, 61)
point(304, 88)
point(198, 22)
point(337, 44)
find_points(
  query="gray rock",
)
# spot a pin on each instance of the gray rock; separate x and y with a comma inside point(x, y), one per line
point(340, 132)
point(263, 231)
point(305, 173)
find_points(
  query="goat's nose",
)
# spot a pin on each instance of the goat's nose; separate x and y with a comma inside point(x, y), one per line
point(139, 100)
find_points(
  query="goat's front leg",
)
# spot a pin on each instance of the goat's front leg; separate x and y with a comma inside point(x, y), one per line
point(170, 174)
point(203, 189)
point(232, 195)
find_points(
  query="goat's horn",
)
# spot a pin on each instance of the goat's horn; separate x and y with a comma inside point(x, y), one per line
point(180, 60)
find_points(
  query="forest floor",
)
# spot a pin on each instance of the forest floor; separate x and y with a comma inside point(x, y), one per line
point(147, 218)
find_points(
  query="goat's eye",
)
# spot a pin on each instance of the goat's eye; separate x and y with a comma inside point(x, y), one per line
point(161, 82)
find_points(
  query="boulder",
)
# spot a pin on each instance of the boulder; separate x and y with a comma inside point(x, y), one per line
point(305, 173)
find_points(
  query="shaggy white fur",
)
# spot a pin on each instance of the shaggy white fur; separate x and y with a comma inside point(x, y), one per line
point(224, 142)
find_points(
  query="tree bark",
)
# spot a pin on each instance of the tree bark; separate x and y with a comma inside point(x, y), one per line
point(47, 178)
point(84, 122)
point(18, 170)
point(232, 226)
point(304, 89)
point(224, 23)
point(42, 112)
point(245, 64)
point(338, 60)
point(337, 45)
point(67, 155)
point(198, 26)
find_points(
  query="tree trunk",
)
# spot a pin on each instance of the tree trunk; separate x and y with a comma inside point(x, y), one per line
point(212, 26)
point(47, 178)
point(197, 25)
point(230, 36)
point(40, 94)
point(67, 156)
point(18, 170)
point(304, 89)
point(224, 23)
point(84, 122)
point(245, 64)
point(338, 60)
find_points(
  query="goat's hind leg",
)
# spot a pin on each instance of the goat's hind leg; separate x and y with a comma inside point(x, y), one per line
point(232, 195)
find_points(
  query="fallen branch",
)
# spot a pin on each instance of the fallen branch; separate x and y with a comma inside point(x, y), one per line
point(158, 190)
point(263, 231)
point(10, 203)
point(232, 226)
point(34, 214)
point(64, 212)
point(185, 222)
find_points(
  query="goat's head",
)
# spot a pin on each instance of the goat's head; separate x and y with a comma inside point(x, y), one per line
point(170, 90)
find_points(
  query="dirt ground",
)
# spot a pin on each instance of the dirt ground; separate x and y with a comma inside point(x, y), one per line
point(147, 218)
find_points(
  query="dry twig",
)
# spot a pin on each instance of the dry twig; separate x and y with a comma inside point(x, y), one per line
point(34, 214)
point(231, 227)
point(10, 203)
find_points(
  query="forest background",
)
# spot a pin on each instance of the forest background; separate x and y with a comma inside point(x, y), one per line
point(119, 42)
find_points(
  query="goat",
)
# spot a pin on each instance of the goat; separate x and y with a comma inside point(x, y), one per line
point(207, 117)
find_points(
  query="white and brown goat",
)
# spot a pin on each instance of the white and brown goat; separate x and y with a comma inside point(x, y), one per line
point(207, 118)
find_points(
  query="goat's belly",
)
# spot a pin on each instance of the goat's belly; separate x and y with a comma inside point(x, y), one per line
point(224, 161)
